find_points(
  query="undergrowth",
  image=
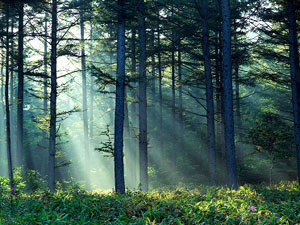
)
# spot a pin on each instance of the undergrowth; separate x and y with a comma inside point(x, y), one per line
point(279, 204)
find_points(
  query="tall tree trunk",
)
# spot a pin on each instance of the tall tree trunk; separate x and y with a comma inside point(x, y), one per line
point(11, 91)
point(91, 91)
point(218, 91)
point(180, 104)
point(45, 98)
point(237, 86)
point(111, 55)
point(237, 94)
point(221, 91)
point(174, 128)
point(160, 92)
point(127, 138)
point(53, 96)
point(142, 99)
point(153, 78)
point(228, 99)
point(119, 110)
point(295, 76)
point(2, 121)
point(20, 84)
point(45, 83)
point(209, 96)
point(134, 117)
point(84, 96)
point(8, 137)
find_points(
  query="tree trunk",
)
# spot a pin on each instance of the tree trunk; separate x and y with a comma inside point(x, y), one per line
point(295, 76)
point(228, 99)
point(119, 110)
point(237, 94)
point(174, 127)
point(180, 104)
point(84, 97)
point(153, 86)
point(134, 122)
point(161, 144)
point(20, 85)
point(45, 98)
point(209, 96)
point(237, 87)
point(142, 100)
point(8, 137)
point(2, 115)
point(91, 92)
point(11, 91)
point(53, 96)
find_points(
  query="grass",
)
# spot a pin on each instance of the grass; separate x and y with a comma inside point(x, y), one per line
point(279, 204)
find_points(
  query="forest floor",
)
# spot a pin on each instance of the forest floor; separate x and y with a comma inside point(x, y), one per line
point(279, 204)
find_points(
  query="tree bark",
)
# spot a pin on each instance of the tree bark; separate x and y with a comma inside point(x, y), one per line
point(209, 96)
point(295, 76)
point(84, 96)
point(53, 96)
point(45, 92)
point(142, 99)
point(174, 127)
point(228, 99)
point(20, 105)
point(45, 83)
point(11, 91)
point(153, 77)
point(237, 87)
point(2, 114)
point(180, 104)
point(91, 92)
point(119, 110)
point(161, 143)
point(8, 137)
point(134, 122)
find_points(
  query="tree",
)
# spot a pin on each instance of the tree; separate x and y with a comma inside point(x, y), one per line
point(53, 99)
point(209, 95)
point(142, 99)
point(84, 87)
point(20, 106)
point(8, 137)
point(295, 75)
point(120, 97)
point(271, 135)
point(228, 99)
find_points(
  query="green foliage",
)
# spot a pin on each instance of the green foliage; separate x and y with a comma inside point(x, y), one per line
point(106, 146)
point(18, 181)
point(248, 205)
point(270, 134)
